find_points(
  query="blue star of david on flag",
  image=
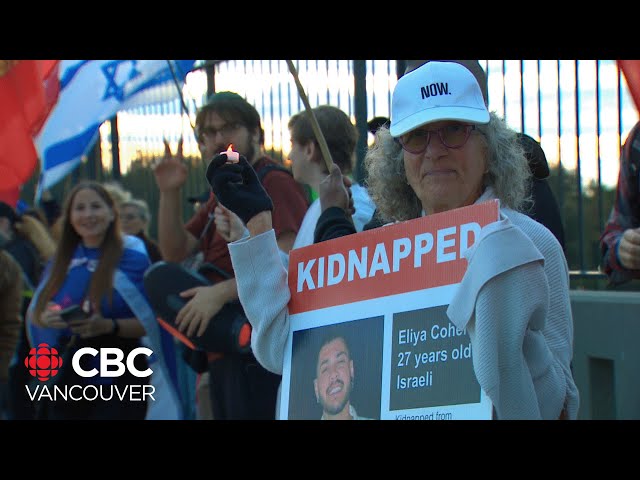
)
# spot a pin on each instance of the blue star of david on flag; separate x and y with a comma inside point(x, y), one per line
point(113, 88)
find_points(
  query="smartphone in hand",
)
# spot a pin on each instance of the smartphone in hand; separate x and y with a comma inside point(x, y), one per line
point(74, 312)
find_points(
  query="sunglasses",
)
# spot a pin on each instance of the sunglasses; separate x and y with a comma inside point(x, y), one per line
point(454, 135)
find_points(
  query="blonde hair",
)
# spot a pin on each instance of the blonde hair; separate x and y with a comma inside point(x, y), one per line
point(117, 192)
point(141, 205)
point(508, 172)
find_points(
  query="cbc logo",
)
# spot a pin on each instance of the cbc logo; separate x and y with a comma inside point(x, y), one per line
point(44, 362)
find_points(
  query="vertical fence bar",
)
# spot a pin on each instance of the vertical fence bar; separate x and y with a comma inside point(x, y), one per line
point(211, 78)
point(580, 232)
point(360, 105)
point(373, 97)
point(349, 102)
point(504, 88)
point(280, 77)
point(619, 101)
point(597, 146)
point(271, 101)
point(522, 96)
point(388, 80)
point(559, 132)
point(539, 103)
point(338, 73)
point(115, 148)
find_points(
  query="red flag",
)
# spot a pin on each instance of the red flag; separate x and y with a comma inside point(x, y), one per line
point(28, 91)
point(10, 197)
point(631, 71)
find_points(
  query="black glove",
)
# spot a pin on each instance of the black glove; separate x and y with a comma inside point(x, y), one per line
point(237, 187)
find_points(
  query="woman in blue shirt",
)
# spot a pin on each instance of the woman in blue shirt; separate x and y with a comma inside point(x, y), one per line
point(86, 270)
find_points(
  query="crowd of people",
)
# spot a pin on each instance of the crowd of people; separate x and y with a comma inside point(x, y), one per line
point(435, 153)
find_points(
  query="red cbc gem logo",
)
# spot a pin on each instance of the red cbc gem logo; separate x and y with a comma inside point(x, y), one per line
point(43, 362)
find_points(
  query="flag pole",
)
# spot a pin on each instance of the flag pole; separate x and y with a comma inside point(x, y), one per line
point(324, 148)
point(179, 88)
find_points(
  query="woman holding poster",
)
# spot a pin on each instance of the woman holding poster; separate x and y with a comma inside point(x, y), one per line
point(442, 151)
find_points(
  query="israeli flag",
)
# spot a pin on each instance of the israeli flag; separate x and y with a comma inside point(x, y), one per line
point(92, 91)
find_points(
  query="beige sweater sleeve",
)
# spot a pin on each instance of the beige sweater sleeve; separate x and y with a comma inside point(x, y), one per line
point(503, 300)
point(264, 294)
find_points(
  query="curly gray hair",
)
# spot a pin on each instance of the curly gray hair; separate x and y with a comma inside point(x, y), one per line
point(508, 174)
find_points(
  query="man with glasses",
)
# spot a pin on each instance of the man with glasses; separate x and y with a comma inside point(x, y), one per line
point(240, 387)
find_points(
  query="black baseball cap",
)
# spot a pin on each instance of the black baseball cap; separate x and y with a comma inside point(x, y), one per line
point(375, 123)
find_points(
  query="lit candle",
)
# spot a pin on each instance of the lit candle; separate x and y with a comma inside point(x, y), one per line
point(233, 157)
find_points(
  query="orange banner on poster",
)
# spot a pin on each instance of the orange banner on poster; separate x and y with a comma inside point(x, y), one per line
point(399, 258)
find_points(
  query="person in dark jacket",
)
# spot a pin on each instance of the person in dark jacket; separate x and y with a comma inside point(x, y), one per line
point(25, 253)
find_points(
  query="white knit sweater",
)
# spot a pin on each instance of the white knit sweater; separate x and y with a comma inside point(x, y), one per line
point(514, 302)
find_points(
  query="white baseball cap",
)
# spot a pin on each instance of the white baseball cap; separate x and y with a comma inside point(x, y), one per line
point(436, 91)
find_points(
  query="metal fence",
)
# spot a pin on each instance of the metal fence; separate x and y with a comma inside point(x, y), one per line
point(579, 110)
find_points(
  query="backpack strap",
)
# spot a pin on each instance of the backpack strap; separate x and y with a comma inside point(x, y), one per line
point(262, 172)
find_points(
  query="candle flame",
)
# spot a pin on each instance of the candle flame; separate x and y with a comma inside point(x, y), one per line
point(230, 148)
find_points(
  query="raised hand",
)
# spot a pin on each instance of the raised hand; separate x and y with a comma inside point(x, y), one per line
point(629, 249)
point(171, 171)
point(228, 224)
point(335, 191)
point(237, 187)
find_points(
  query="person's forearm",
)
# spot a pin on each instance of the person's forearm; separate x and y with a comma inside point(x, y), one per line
point(46, 248)
point(260, 223)
point(286, 241)
point(172, 236)
point(228, 290)
point(130, 328)
point(334, 222)
point(264, 294)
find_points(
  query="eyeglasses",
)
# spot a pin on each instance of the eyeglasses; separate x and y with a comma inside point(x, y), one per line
point(226, 130)
point(454, 135)
point(129, 216)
